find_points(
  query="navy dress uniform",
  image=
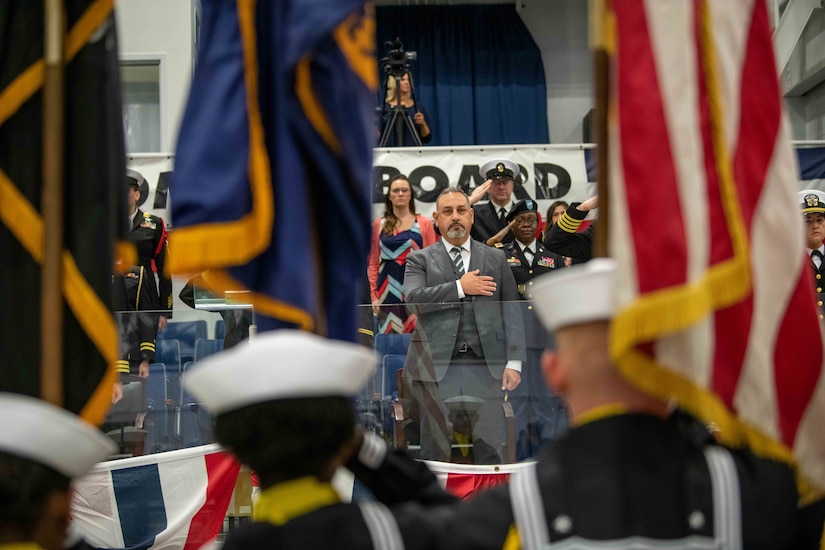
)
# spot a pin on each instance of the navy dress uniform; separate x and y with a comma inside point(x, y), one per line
point(625, 478)
point(130, 295)
point(148, 235)
point(540, 415)
point(465, 447)
point(283, 404)
point(487, 218)
point(813, 205)
point(565, 238)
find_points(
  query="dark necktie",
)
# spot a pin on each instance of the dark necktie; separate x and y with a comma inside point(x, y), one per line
point(502, 216)
point(528, 255)
point(458, 261)
point(817, 254)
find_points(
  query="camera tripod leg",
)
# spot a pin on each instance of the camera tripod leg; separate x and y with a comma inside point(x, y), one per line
point(399, 120)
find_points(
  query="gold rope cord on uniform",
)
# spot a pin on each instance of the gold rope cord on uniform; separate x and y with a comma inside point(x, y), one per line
point(16, 212)
point(677, 308)
point(223, 244)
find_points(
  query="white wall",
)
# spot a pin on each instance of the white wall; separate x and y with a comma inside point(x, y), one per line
point(559, 27)
point(160, 29)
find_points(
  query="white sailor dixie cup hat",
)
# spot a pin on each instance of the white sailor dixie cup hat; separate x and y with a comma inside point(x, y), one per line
point(280, 364)
point(464, 403)
point(577, 294)
point(49, 435)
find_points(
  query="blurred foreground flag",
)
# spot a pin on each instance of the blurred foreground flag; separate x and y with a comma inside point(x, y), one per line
point(271, 189)
point(94, 200)
point(715, 301)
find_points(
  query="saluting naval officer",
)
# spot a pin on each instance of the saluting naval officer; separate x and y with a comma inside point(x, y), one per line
point(466, 447)
point(148, 234)
point(630, 472)
point(564, 236)
point(284, 406)
point(540, 414)
point(42, 448)
point(813, 208)
point(491, 217)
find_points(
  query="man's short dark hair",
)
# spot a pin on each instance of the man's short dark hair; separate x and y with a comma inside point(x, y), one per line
point(449, 190)
point(24, 487)
point(288, 438)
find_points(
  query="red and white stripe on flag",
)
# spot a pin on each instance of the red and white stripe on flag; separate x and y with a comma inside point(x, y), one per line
point(715, 301)
point(466, 480)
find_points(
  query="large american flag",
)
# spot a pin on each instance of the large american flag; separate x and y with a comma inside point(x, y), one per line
point(716, 306)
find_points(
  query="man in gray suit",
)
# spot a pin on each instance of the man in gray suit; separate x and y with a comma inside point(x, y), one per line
point(468, 340)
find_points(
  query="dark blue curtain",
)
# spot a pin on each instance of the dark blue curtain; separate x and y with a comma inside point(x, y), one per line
point(479, 74)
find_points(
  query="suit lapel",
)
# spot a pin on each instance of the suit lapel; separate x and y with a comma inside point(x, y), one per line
point(495, 221)
point(442, 260)
point(476, 255)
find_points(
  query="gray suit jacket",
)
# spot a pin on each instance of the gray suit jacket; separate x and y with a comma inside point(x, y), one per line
point(430, 292)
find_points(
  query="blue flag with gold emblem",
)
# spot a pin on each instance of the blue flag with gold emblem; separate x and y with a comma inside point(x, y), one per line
point(271, 189)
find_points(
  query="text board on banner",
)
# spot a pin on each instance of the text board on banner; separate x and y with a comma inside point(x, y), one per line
point(547, 173)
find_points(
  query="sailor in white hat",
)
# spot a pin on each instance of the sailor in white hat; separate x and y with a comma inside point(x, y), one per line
point(284, 405)
point(630, 472)
point(491, 217)
point(42, 448)
point(812, 202)
point(466, 448)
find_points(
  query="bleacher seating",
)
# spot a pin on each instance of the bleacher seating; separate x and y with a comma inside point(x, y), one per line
point(187, 333)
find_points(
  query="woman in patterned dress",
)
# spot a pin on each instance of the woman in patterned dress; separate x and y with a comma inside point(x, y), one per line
point(394, 235)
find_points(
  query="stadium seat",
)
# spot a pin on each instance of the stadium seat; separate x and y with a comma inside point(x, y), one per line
point(195, 421)
point(187, 333)
point(391, 364)
point(220, 329)
point(392, 343)
point(124, 423)
point(168, 353)
point(204, 347)
point(160, 411)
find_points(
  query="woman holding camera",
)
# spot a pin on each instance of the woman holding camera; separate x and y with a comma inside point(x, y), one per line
point(400, 95)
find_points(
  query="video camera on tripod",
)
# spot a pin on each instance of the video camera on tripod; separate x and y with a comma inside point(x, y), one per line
point(396, 60)
point(396, 66)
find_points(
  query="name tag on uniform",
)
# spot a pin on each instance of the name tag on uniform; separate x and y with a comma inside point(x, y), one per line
point(514, 262)
point(148, 224)
point(546, 262)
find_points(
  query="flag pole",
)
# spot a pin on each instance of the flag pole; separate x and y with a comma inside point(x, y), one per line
point(601, 82)
point(51, 298)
